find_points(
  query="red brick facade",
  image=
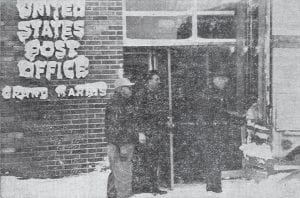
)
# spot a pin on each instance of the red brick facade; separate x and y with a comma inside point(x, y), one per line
point(58, 136)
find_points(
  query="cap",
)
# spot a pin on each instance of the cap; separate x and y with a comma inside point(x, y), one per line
point(123, 82)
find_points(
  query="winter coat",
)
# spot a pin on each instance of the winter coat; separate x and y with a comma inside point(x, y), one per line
point(153, 113)
point(215, 109)
point(120, 121)
point(215, 117)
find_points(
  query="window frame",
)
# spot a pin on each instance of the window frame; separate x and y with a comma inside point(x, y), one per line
point(193, 40)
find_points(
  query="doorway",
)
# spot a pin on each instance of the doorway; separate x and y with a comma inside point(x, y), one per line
point(192, 68)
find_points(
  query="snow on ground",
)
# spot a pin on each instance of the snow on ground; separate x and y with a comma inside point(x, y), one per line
point(93, 185)
point(270, 188)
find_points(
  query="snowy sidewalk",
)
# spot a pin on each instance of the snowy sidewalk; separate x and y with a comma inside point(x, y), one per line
point(93, 185)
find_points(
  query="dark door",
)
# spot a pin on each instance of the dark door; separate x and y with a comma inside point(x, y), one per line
point(192, 68)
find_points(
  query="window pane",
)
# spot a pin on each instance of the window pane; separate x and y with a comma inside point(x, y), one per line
point(217, 4)
point(286, 83)
point(219, 27)
point(158, 5)
point(149, 27)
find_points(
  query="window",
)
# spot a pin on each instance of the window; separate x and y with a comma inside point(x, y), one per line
point(179, 22)
point(158, 5)
point(217, 27)
point(158, 27)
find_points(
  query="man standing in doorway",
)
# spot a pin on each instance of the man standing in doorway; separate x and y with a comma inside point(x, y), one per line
point(215, 112)
point(121, 137)
point(152, 135)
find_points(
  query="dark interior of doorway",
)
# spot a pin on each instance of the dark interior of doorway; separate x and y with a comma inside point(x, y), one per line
point(192, 70)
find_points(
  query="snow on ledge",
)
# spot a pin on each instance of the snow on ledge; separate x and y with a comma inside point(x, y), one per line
point(253, 150)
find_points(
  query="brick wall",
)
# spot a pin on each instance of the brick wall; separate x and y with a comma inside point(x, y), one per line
point(58, 137)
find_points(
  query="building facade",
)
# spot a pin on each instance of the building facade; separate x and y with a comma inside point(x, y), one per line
point(59, 60)
point(57, 128)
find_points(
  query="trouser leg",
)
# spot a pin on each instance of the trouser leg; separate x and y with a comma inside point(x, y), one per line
point(112, 155)
point(213, 179)
point(213, 174)
point(153, 161)
point(111, 190)
point(121, 170)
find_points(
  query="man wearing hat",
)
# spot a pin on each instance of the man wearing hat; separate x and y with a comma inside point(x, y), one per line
point(215, 108)
point(121, 137)
point(150, 157)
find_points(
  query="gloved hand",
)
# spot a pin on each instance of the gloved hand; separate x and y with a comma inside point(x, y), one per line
point(142, 138)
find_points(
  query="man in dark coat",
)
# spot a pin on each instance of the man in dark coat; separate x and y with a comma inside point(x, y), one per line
point(215, 111)
point(152, 134)
point(121, 137)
